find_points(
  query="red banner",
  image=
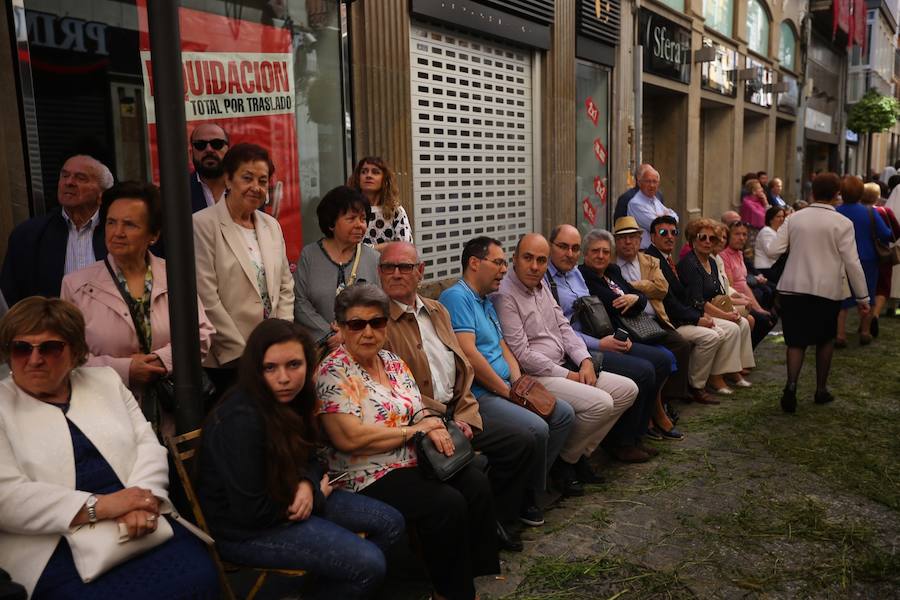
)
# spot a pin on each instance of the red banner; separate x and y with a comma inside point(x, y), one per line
point(240, 76)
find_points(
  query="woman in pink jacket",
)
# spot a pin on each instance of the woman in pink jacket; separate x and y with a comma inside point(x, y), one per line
point(753, 208)
point(125, 299)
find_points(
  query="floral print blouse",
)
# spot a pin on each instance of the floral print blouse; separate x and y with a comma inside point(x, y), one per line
point(344, 387)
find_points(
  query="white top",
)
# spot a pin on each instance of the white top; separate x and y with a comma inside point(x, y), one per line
point(251, 241)
point(761, 257)
point(382, 231)
point(441, 360)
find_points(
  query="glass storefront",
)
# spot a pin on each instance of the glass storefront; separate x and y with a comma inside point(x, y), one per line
point(592, 144)
point(270, 73)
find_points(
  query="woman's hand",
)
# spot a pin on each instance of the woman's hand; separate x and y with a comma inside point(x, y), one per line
point(623, 303)
point(145, 368)
point(464, 427)
point(113, 506)
point(442, 441)
point(302, 506)
point(325, 486)
point(139, 523)
point(611, 344)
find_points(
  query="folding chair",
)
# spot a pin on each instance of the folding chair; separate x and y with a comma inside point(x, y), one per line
point(184, 448)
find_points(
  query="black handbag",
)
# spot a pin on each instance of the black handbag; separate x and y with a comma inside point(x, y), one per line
point(642, 328)
point(592, 315)
point(434, 463)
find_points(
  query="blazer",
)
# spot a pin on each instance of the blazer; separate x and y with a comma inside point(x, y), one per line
point(110, 332)
point(405, 340)
point(821, 246)
point(36, 257)
point(38, 498)
point(701, 286)
point(680, 308)
point(654, 286)
point(198, 198)
point(226, 279)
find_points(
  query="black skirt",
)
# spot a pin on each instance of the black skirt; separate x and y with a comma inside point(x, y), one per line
point(808, 320)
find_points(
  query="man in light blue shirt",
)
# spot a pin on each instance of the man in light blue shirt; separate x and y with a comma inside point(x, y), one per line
point(645, 205)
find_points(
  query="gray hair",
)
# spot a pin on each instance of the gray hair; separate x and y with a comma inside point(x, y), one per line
point(104, 176)
point(360, 294)
point(644, 168)
point(595, 235)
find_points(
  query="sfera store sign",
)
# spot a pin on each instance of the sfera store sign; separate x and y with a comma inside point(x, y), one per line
point(667, 47)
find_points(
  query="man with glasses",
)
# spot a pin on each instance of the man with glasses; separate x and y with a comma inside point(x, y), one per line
point(545, 345)
point(420, 332)
point(645, 206)
point(478, 332)
point(622, 202)
point(710, 342)
point(209, 143)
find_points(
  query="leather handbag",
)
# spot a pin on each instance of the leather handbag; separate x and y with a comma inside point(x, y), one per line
point(722, 302)
point(643, 328)
point(98, 547)
point(592, 316)
point(886, 254)
point(530, 393)
point(434, 463)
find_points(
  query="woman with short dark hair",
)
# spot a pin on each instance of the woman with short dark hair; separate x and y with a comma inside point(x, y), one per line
point(335, 261)
point(267, 499)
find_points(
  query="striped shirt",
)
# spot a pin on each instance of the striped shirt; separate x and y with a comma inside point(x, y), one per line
point(80, 245)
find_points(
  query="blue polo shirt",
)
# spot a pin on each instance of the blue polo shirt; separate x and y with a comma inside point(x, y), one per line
point(470, 313)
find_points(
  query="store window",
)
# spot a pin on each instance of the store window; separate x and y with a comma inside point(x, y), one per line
point(92, 92)
point(719, 15)
point(757, 27)
point(592, 144)
point(676, 4)
point(787, 46)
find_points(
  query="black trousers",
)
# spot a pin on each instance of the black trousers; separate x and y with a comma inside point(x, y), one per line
point(455, 522)
point(761, 327)
point(510, 454)
point(677, 384)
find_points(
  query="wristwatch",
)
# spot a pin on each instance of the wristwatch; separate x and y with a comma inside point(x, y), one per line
point(91, 506)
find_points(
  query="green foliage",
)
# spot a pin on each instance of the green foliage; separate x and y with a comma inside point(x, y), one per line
point(874, 113)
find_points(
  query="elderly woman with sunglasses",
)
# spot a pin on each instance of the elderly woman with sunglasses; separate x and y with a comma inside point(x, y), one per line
point(700, 276)
point(367, 398)
point(75, 450)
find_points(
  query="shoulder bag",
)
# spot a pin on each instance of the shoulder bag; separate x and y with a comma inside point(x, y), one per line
point(434, 463)
point(592, 316)
point(886, 254)
point(528, 392)
point(642, 328)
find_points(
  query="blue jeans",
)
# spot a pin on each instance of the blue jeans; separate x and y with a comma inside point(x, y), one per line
point(327, 545)
point(649, 367)
point(549, 437)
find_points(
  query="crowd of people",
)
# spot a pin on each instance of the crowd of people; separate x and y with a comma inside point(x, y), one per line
point(345, 407)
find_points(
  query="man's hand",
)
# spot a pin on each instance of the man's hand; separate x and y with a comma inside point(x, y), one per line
point(586, 373)
point(464, 427)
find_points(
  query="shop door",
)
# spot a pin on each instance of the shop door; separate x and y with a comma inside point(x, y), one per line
point(471, 144)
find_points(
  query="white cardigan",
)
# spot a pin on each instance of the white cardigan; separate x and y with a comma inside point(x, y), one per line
point(822, 245)
point(38, 499)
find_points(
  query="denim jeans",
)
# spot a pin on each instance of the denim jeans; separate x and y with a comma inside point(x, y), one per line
point(327, 545)
point(549, 437)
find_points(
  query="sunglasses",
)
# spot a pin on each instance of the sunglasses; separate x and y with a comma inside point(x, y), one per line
point(702, 237)
point(668, 232)
point(217, 144)
point(389, 268)
point(360, 324)
point(20, 350)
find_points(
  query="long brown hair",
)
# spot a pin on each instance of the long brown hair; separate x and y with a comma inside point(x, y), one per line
point(389, 196)
point(290, 427)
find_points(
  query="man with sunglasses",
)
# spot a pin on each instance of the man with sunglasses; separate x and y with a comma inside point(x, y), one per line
point(209, 143)
point(420, 332)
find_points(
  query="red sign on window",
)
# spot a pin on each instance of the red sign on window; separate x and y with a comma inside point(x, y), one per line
point(593, 112)
point(590, 212)
point(600, 151)
point(600, 188)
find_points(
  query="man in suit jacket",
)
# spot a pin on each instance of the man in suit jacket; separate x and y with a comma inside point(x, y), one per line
point(420, 332)
point(43, 249)
point(209, 143)
point(710, 342)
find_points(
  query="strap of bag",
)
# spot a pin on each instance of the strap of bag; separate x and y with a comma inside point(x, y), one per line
point(132, 308)
point(352, 279)
point(552, 285)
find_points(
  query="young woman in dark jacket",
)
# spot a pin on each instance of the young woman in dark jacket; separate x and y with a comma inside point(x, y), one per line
point(265, 495)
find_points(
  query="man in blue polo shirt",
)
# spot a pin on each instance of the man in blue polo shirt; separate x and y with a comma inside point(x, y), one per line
point(478, 330)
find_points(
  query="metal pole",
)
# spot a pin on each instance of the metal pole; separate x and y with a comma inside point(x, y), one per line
point(165, 53)
point(638, 81)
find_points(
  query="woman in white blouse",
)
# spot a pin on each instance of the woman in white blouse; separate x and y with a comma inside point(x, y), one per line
point(761, 257)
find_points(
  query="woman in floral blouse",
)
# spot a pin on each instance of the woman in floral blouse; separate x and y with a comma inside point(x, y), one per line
point(367, 397)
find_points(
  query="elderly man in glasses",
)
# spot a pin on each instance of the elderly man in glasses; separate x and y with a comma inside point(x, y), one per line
point(420, 332)
point(209, 143)
point(645, 205)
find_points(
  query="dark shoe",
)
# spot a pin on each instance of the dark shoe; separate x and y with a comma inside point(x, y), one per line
point(672, 434)
point(508, 541)
point(654, 434)
point(563, 474)
point(865, 339)
point(653, 452)
point(823, 397)
point(789, 400)
point(629, 454)
point(701, 397)
point(532, 516)
point(873, 328)
point(671, 413)
point(585, 473)
point(840, 342)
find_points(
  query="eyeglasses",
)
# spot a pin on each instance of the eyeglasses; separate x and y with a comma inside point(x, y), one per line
point(703, 237)
point(217, 144)
point(667, 232)
point(21, 350)
point(389, 268)
point(575, 248)
point(360, 324)
point(500, 262)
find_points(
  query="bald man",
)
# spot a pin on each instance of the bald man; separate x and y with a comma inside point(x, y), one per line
point(545, 346)
point(209, 143)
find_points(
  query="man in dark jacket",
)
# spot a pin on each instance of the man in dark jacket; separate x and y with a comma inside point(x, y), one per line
point(43, 249)
point(209, 143)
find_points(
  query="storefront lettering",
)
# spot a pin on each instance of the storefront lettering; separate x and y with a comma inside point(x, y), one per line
point(67, 33)
point(666, 48)
point(217, 76)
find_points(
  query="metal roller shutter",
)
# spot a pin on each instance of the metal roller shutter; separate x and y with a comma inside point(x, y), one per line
point(472, 144)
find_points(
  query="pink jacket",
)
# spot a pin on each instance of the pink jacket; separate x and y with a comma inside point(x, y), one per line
point(111, 337)
point(753, 211)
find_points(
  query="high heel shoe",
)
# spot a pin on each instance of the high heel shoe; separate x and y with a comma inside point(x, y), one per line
point(789, 400)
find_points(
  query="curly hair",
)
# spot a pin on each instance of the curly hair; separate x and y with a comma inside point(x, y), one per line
point(389, 196)
point(694, 227)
